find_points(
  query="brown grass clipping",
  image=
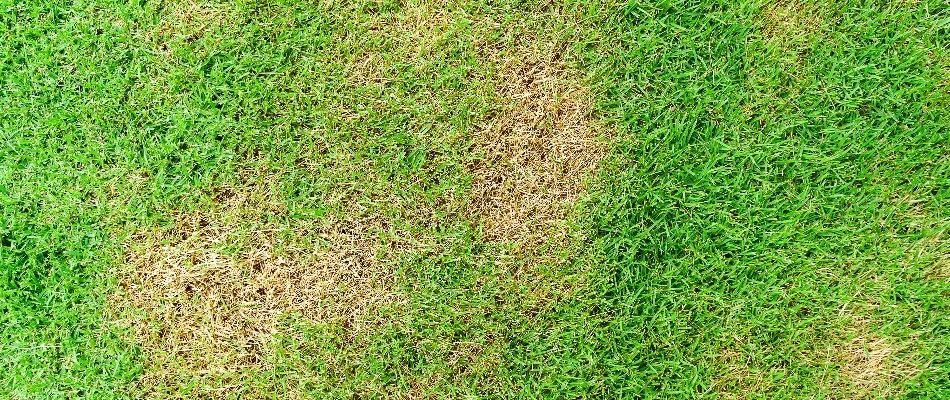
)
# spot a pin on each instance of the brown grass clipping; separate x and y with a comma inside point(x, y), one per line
point(204, 295)
point(537, 151)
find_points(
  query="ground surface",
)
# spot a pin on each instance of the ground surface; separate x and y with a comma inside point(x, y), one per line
point(474, 199)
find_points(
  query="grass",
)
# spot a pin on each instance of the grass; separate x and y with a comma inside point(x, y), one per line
point(475, 199)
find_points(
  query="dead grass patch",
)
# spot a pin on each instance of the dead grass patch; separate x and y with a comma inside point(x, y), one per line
point(540, 142)
point(204, 295)
point(859, 364)
point(185, 21)
point(536, 151)
point(941, 267)
point(870, 365)
point(787, 29)
point(739, 381)
point(792, 23)
point(414, 33)
point(933, 250)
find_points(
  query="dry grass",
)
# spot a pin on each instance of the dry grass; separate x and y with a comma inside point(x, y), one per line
point(738, 381)
point(933, 249)
point(190, 19)
point(184, 21)
point(537, 150)
point(204, 296)
point(860, 363)
point(540, 142)
point(793, 24)
point(870, 365)
point(414, 31)
point(941, 267)
point(789, 28)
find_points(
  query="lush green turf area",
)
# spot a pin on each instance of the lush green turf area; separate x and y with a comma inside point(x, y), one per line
point(767, 196)
point(770, 218)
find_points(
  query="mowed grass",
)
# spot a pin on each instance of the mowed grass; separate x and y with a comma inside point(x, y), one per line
point(484, 199)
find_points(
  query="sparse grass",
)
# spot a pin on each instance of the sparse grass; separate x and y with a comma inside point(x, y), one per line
point(474, 199)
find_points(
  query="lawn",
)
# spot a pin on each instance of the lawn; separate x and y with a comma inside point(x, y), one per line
point(474, 199)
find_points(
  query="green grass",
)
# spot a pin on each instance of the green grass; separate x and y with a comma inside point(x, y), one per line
point(771, 218)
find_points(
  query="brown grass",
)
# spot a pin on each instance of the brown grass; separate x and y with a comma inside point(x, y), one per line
point(787, 30)
point(185, 21)
point(539, 143)
point(865, 366)
point(860, 364)
point(415, 31)
point(870, 365)
point(792, 23)
point(537, 150)
point(204, 296)
point(934, 251)
point(738, 380)
point(934, 248)
point(941, 267)
point(190, 19)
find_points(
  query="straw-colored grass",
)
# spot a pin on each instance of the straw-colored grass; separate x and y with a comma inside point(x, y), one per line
point(204, 295)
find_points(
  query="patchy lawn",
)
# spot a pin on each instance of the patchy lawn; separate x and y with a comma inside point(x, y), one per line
point(474, 199)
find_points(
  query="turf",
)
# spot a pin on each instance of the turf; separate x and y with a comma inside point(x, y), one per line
point(475, 199)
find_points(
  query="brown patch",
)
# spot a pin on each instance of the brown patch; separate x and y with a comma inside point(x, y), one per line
point(869, 365)
point(184, 21)
point(787, 30)
point(414, 33)
point(537, 152)
point(539, 143)
point(933, 250)
point(792, 22)
point(941, 267)
point(739, 380)
point(204, 296)
point(866, 364)
point(860, 364)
